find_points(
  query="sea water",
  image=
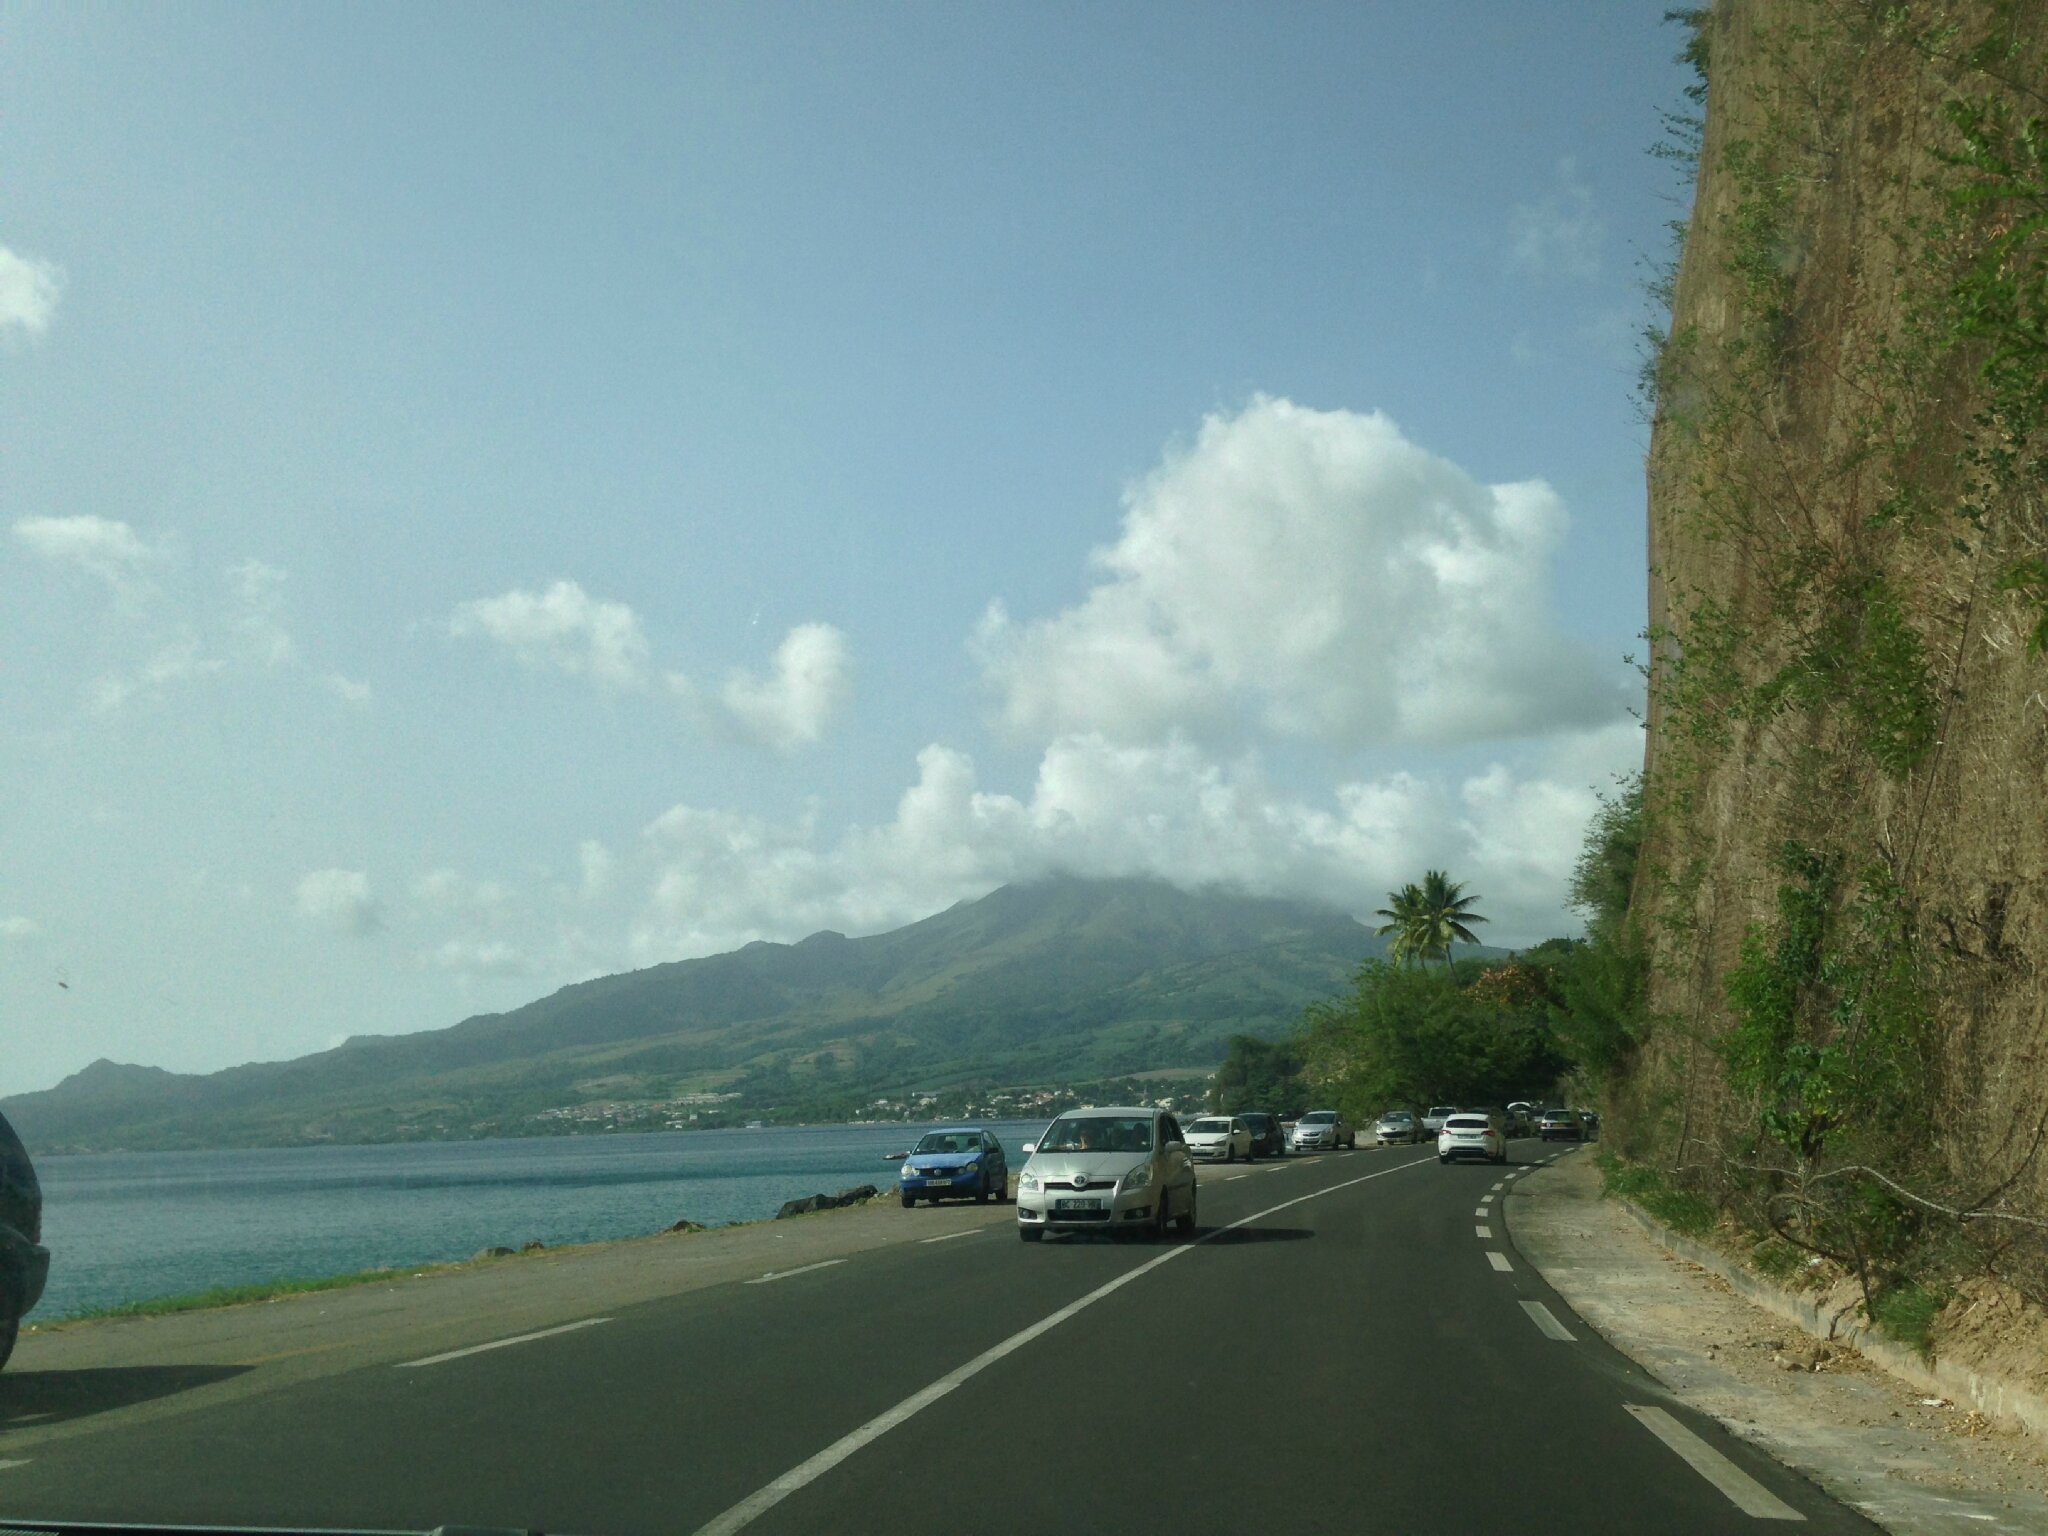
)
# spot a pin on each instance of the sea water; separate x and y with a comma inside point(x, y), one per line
point(130, 1226)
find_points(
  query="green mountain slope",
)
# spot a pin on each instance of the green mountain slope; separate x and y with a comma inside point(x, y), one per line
point(1057, 980)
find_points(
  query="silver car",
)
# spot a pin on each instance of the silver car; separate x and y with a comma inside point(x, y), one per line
point(1321, 1128)
point(1396, 1126)
point(1107, 1170)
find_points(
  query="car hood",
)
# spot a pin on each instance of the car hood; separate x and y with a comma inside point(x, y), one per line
point(1104, 1166)
point(942, 1159)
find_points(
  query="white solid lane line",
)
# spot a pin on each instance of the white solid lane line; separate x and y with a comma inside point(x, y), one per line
point(519, 1338)
point(802, 1269)
point(1546, 1322)
point(19, 1461)
point(943, 1237)
point(765, 1498)
point(1485, 1232)
point(1743, 1491)
point(1498, 1260)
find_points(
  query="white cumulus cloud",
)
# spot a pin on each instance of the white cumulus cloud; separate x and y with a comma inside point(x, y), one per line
point(102, 546)
point(342, 898)
point(790, 707)
point(1313, 574)
point(17, 929)
point(714, 878)
point(29, 290)
point(564, 629)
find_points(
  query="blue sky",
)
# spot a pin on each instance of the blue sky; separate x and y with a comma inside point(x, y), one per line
point(495, 495)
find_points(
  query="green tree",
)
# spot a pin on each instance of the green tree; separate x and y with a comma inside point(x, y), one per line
point(1258, 1074)
point(1409, 1037)
point(1405, 925)
point(1446, 915)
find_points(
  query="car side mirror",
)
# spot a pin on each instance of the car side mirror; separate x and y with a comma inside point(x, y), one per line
point(1030, 1147)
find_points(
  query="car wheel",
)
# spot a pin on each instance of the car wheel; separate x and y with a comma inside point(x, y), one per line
point(1030, 1234)
point(1443, 1157)
point(909, 1201)
point(10, 1328)
point(1251, 1154)
point(981, 1194)
point(1162, 1228)
point(1186, 1219)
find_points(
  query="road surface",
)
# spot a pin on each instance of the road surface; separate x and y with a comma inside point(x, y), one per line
point(1350, 1343)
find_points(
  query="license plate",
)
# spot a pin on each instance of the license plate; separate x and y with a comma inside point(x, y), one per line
point(1077, 1205)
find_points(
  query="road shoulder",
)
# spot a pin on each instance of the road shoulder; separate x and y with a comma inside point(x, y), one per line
point(1912, 1464)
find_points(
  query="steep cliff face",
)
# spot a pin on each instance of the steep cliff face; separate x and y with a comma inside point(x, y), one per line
point(1845, 876)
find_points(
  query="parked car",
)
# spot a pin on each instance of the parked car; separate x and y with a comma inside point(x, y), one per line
point(1397, 1126)
point(1521, 1118)
point(1107, 1170)
point(24, 1261)
point(1561, 1125)
point(1323, 1128)
point(1219, 1139)
point(1589, 1119)
point(1472, 1135)
point(965, 1160)
point(1269, 1136)
point(1433, 1118)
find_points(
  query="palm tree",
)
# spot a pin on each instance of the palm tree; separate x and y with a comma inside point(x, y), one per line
point(1405, 915)
point(1446, 915)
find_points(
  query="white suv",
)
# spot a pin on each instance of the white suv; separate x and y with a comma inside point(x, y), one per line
point(1472, 1136)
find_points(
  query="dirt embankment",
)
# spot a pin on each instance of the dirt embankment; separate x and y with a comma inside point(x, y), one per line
point(1847, 772)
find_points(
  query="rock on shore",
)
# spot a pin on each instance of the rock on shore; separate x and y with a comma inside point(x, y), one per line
point(810, 1203)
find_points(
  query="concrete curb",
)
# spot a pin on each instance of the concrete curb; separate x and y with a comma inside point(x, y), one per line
point(1991, 1395)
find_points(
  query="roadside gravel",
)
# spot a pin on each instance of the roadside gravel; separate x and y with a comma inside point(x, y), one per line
point(1916, 1465)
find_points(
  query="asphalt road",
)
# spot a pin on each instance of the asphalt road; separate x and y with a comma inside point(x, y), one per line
point(1351, 1343)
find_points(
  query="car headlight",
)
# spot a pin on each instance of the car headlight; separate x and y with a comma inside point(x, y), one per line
point(1138, 1177)
point(1027, 1181)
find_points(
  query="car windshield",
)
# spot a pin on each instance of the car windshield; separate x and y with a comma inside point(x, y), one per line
point(946, 1141)
point(1397, 1117)
point(1209, 1128)
point(1098, 1133)
point(1443, 1109)
point(1320, 1117)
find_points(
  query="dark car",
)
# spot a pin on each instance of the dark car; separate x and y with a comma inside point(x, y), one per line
point(1269, 1137)
point(24, 1262)
point(1561, 1125)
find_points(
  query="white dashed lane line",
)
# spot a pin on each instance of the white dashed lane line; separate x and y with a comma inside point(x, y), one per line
point(1503, 1184)
point(784, 1274)
point(19, 1461)
point(1485, 1232)
point(1742, 1490)
point(943, 1237)
point(1487, 1199)
point(518, 1338)
point(1235, 1177)
point(1482, 1213)
point(1546, 1322)
point(1498, 1260)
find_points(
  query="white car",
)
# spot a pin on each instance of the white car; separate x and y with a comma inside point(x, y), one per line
point(1472, 1136)
point(1433, 1119)
point(1107, 1170)
point(1220, 1139)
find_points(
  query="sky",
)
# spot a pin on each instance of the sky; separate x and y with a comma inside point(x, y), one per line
point(492, 495)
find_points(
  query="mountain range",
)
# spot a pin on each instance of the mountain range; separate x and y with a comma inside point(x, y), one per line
point(1058, 980)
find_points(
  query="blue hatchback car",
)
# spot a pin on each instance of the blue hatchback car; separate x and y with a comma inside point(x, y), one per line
point(964, 1160)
